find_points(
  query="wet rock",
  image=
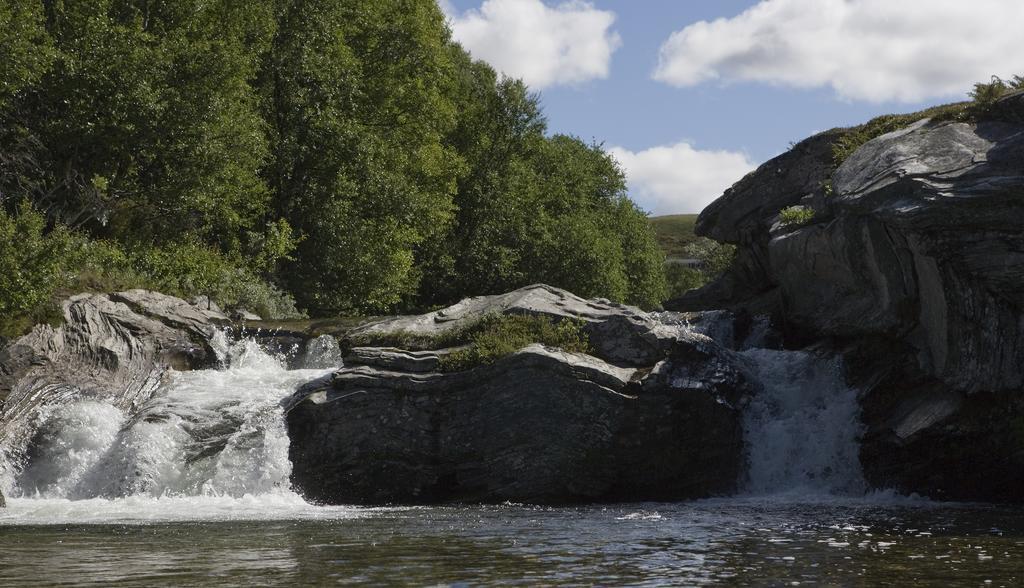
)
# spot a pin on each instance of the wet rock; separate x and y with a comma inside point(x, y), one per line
point(540, 425)
point(924, 437)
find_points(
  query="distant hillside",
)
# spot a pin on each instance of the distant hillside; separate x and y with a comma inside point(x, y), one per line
point(674, 232)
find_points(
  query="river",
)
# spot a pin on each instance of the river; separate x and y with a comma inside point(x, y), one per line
point(192, 488)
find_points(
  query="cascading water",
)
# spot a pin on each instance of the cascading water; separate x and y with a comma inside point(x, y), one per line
point(212, 443)
point(214, 440)
point(802, 429)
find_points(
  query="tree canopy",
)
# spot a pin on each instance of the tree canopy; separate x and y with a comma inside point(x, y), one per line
point(344, 153)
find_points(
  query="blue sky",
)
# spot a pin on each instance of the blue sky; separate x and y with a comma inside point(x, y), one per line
point(741, 79)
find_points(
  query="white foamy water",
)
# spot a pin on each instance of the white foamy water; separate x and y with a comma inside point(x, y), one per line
point(803, 428)
point(209, 444)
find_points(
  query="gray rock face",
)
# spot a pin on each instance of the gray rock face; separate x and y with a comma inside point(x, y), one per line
point(744, 212)
point(919, 246)
point(113, 347)
point(540, 425)
point(620, 333)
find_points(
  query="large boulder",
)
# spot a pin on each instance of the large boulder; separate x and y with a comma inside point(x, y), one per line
point(915, 260)
point(654, 418)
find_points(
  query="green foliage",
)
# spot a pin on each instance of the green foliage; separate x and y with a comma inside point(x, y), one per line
point(345, 149)
point(537, 209)
point(676, 238)
point(26, 51)
point(496, 336)
point(356, 93)
point(147, 125)
point(680, 279)
point(187, 269)
point(713, 258)
point(795, 216)
point(32, 267)
point(985, 94)
point(38, 268)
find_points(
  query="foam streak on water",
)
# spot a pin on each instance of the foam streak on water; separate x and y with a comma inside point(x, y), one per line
point(802, 429)
point(208, 444)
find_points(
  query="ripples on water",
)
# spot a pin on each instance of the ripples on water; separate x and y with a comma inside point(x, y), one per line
point(738, 542)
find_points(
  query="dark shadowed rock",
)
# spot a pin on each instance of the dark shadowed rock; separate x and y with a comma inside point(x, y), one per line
point(540, 425)
point(916, 257)
point(750, 206)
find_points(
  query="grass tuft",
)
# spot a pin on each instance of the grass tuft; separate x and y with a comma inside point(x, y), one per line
point(486, 340)
point(795, 216)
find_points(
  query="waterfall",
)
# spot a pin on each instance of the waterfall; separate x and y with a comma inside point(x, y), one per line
point(802, 429)
point(215, 434)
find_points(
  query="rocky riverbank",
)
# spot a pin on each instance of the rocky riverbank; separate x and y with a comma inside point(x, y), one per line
point(909, 258)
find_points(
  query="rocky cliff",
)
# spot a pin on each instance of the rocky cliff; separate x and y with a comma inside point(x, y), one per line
point(913, 265)
point(652, 414)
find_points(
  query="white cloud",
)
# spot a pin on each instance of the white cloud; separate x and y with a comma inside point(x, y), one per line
point(874, 50)
point(567, 43)
point(678, 178)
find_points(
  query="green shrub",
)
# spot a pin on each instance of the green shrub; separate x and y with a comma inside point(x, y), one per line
point(681, 279)
point(714, 258)
point(39, 268)
point(192, 269)
point(33, 267)
point(984, 95)
point(795, 216)
point(496, 336)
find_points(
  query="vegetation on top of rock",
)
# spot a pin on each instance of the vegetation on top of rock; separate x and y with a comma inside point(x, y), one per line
point(878, 126)
point(346, 153)
point(795, 215)
point(983, 96)
point(484, 340)
point(496, 336)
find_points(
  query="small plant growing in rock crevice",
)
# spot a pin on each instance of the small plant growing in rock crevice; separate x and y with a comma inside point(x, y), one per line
point(795, 216)
point(827, 188)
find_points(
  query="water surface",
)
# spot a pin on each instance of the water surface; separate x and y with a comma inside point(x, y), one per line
point(738, 542)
